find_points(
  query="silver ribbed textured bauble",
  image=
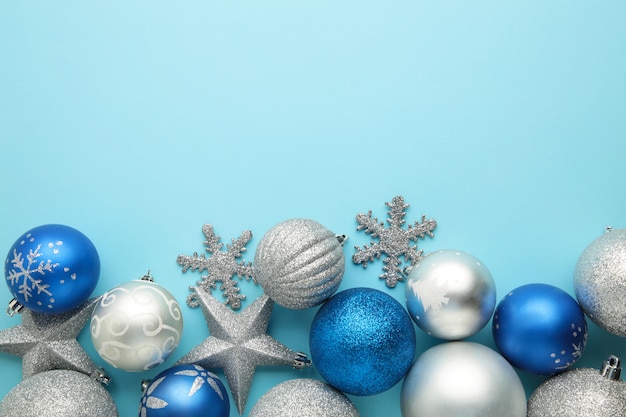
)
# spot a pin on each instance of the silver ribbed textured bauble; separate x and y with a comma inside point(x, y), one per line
point(600, 281)
point(58, 393)
point(303, 397)
point(299, 263)
point(581, 392)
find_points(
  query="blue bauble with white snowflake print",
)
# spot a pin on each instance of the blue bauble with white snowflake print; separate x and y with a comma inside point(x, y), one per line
point(362, 341)
point(540, 329)
point(52, 268)
point(185, 390)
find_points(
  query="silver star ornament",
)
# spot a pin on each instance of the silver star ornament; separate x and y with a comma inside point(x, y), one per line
point(238, 343)
point(48, 341)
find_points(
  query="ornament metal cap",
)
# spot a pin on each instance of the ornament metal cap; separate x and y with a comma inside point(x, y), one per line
point(147, 277)
point(342, 239)
point(14, 308)
point(611, 369)
point(101, 376)
point(301, 360)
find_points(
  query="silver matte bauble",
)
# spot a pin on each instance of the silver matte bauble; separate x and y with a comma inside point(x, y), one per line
point(581, 392)
point(58, 393)
point(303, 397)
point(136, 325)
point(462, 379)
point(450, 294)
point(299, 263)
point(600, 281)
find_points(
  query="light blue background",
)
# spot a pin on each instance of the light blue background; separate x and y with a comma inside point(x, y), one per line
point(138, 122)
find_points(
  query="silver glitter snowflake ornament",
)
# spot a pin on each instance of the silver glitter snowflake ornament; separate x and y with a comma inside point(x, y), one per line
point(221, 266)
point(394, 241)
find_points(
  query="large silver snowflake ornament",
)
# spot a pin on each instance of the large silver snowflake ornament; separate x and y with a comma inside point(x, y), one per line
point(221, 266)
point(394, 241)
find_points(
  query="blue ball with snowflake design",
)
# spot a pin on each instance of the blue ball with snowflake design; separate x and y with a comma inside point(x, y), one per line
point(185, 390)
point(52, 268)
point(540, 329)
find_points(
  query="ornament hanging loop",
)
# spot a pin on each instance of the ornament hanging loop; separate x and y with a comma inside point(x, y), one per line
point(611, 368)
point(14, 308)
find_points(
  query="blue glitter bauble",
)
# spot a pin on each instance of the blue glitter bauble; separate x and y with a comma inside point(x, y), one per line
point(185, 390)
point(362, 341)
point(540, 329)
point(52, 268)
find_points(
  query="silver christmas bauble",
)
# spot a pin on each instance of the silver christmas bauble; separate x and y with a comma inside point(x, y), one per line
point(58, 393)
point(450, 294)
point(581, 392)
point(136, 325)
point(299, 263)
point(600, 281)
point(303, 397)
point(462, 379)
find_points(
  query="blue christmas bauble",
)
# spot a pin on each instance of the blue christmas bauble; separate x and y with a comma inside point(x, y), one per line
point(540, 329)
point(185, 390)
point(362, 341)
point(52, 268)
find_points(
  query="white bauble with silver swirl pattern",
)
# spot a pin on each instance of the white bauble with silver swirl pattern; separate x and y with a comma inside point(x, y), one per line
point(299, 263)
point(137, 325)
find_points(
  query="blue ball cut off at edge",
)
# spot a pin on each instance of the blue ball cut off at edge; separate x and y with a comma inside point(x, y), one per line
point(185, 390)
point(362, 341)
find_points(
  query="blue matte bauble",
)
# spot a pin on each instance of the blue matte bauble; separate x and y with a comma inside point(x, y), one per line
point(540, 329)
point(362, 341)
point(52, 268)
point(185, 390)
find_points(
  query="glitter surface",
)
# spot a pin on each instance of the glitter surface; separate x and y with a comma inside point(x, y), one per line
point(238, 343)
point(48, 341)
point(580, 392)
point(362, 341)
point(394, 241)
point(600, 281)
point(221, 267)
point(303, 398)
point(299, 263)
point(58, 393)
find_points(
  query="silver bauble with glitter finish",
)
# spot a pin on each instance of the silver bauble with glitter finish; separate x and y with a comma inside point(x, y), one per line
point(136, 326)
point(450, 294)
point(58, 393)
point(600, 281)
point(303, 397)
point(299, 263)
point(462, 379)
point(582, 392)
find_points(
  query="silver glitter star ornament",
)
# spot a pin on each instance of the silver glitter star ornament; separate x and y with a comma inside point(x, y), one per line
point(239, 343)
point(221, 266)
point(394, 241)
point(48, 341)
